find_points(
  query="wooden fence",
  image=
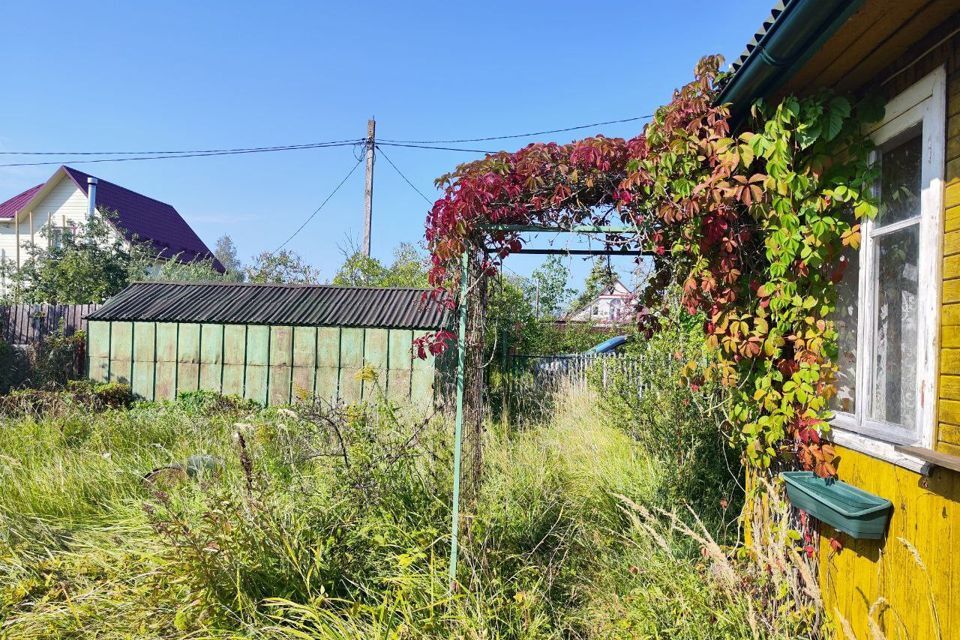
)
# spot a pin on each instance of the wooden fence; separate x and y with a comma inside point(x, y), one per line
point(30, 323)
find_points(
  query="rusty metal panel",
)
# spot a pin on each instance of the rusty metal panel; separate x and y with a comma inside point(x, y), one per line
point(304, 362)
point(98, 351)
point(398, 384)
point(234, 358)
point(421, 387)
point(98, 339)
point(235, 344)
point(166, 342)
point(255, 383)
point(328, 347)
point(211, 357)
point(121, 352)
point(351, 361)
point(165, 388)
point(188, 357)
point(258, 345)
point(401, 343)
point(421, 384)
point(144, 359)
point(376, 345)
point(351, 388)
point(325, 386)
point(211, 343)
point(188, 344)
point(281, 364)
point(258, 363)
point(351, 348)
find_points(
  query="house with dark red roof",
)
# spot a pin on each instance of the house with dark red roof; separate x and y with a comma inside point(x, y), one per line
point(40, 214)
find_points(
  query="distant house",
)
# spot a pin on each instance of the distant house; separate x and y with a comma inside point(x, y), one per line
point(41, 214)
point(614, 306)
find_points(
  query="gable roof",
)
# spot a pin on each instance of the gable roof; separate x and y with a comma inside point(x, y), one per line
point(10, 208)
point(275, 304)
point(139, 217)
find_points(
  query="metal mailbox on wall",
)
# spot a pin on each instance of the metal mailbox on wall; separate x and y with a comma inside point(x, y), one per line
point(274, 344)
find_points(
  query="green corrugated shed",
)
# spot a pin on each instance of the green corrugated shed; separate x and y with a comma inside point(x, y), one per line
point(268, 343)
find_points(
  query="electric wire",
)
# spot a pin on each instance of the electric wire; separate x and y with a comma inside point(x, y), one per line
point(522, 135)
point(182, 155)
point(278, 147)
point(424, 146)
point(322, 204)
point(405, 178)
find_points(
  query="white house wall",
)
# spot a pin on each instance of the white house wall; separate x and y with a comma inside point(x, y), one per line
point(64, 205)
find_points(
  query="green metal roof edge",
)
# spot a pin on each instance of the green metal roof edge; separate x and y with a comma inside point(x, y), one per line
point(757, 72)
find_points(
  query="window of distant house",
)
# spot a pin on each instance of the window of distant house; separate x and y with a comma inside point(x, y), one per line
point(888, 300)
point(56, 237)
point(596, 310)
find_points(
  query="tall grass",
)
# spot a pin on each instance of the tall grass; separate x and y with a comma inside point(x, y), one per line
point(333, 523)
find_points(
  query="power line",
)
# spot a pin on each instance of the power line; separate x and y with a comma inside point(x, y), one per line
point(405, 178)
point(522, 135)
point(424, 146)
point(181, 155)
point(130, 156)
point(306, 145)
point(322, 204)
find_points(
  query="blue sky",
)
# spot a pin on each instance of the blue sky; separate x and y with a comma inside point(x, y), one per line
point(185, 75)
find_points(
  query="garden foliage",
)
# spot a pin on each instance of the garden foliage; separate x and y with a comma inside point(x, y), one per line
point(751, 223)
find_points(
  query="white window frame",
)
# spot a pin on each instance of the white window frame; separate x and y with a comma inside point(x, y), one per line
point(924, 104)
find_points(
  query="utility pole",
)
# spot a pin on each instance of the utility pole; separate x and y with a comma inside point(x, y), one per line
point(368, 188)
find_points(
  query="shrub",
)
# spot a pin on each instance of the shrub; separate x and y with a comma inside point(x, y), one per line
point(679, 423)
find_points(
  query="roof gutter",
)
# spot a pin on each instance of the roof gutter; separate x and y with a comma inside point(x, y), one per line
point(795, 35)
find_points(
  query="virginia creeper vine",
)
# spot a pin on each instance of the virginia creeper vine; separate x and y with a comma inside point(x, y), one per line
point(753, 223)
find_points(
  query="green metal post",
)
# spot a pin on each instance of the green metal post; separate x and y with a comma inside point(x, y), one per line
point(458, 427)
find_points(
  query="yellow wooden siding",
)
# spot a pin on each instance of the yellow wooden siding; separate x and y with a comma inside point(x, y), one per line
point(948, 434)
point(916, 566)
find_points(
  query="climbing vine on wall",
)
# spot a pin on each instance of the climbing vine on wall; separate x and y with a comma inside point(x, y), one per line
point(754, 223)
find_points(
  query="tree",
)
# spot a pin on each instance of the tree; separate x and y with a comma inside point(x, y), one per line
point(89, 262)
point(83, 264)
point(281, 267)
point(601, 277)
point(226, 253)
point(409, 269)
point(548, 288)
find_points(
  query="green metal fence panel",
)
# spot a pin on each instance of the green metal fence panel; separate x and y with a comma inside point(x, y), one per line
point(188, 358)
point(421, 384)
point(351, 361)
point(304, 362)
point(234, 358)
point(98, 350)
point(144, 359)
point(211, 357)
point(256, 375)
point(376, 351)
point(327, 376)
point(281, 365)
point(271, 365)
point(165, 387)
point(400, 364)
point(121, 352)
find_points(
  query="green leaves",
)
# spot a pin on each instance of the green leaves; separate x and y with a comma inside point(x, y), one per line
point(837, 113)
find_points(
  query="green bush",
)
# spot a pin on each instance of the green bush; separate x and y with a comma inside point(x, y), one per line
point(679, 423)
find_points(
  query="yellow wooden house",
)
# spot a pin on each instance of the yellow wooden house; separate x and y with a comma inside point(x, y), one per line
point(898, 419)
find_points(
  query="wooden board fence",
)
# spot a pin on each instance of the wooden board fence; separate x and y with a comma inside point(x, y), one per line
point(29, 323)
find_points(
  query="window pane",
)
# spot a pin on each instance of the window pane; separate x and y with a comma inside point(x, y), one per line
point(846, 323)
point(900, 181)
point(895, 364)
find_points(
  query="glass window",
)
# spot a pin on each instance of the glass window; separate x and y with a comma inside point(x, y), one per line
point(878, 302)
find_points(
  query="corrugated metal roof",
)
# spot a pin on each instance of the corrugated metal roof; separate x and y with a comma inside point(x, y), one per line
point(759, 36)
point(275, 304)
